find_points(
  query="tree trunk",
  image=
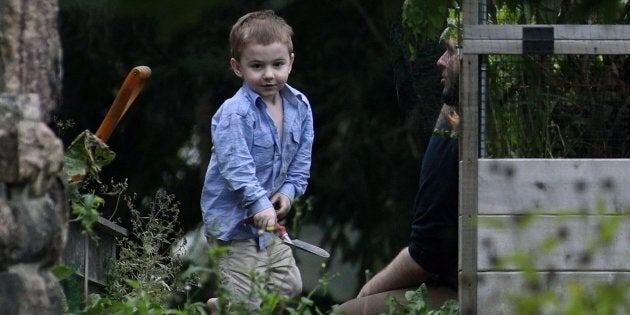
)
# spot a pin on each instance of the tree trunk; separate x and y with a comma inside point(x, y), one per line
point(33, 214)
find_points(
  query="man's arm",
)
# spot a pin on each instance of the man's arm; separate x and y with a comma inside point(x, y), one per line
point(401, 275)
point(402, 272)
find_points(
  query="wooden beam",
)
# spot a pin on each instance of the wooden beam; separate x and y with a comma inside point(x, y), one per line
point(568, 39)
point(555, 242)
point(469, 153)
point(554, 186)
point(498, 289)
point(561, 32)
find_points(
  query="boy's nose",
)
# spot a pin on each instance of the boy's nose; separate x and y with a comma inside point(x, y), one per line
point(268, 73)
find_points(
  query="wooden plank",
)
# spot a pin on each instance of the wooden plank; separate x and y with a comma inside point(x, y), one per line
point(494, 32)
point(111, 228)
point(561, 32)
point(516, 186)
point(555, 242)
point(492, 47)
point(470, 11)
point(469, 153)
point(569, 39)
point(469, 148)
point(595, 32)
point(496, 289)
point(561, 47)
point(591, 47)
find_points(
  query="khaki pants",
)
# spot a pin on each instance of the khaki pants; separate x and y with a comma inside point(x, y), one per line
point(275, 267)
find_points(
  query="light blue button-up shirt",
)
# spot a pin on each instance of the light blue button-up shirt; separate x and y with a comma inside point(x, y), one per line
point(249, 163)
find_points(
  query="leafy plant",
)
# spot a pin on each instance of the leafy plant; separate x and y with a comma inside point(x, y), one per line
point(83, 161)
point(424, 20)
point(306, 304)
point(145, 256)
point(139, 302)
point(85, 210)
point(417, 304)
point(86, 156)
point(146, 274)
point(271, 302)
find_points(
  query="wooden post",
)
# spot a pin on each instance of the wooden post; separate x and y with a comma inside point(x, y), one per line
point(483, 189)
point(469, 153)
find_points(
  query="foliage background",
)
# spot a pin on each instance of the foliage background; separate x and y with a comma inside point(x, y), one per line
point(374, 105)
point(558, 106)
point(373, 108)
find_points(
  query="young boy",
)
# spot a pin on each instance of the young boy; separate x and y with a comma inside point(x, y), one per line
point(262, 140)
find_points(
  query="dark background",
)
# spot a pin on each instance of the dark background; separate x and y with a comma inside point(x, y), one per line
point(373, 108)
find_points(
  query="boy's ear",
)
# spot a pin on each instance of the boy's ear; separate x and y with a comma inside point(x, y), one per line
point(236, 67)
point(291, 59)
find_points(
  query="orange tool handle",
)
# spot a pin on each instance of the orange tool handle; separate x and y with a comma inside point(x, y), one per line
point(128, 92)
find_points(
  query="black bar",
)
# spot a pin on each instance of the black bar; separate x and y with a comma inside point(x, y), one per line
point(538, 40)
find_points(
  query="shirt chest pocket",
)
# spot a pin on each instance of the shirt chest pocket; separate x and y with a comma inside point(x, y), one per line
point(294, 141)
point(263, 148)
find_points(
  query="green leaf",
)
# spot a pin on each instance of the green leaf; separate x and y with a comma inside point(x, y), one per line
point(132, 283)
point(86, 155)
point(62, 272)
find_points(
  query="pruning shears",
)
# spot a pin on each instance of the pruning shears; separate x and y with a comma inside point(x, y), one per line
point(284, 236)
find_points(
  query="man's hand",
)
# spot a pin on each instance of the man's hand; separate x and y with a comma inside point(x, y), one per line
point(453, 119)
point(282, 204)
point(265, 218)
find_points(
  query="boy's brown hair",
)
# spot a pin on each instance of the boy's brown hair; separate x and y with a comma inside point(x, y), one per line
point(261, 27)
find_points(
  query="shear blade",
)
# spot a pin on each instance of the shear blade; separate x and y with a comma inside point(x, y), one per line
point(310, 248)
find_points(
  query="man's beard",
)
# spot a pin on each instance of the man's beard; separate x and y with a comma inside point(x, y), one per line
point(451, 96)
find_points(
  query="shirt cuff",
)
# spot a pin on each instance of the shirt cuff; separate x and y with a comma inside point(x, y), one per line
point(287, 190)
point(260, 205)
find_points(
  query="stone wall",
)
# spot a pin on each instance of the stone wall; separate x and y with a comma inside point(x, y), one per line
point(33, 216)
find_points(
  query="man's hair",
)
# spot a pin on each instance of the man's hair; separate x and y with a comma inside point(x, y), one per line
point(260, 27)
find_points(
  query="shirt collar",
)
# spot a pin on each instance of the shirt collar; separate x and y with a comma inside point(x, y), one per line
point(292, 95)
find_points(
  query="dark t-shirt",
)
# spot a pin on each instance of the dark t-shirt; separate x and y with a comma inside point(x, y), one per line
point(434, 239)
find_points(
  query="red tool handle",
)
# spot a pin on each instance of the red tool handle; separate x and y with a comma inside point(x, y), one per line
point(282, 231)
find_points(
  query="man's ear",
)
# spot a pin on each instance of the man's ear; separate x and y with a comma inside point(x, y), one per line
point(236, 67)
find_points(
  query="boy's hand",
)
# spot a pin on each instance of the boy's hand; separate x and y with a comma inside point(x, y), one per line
point(282, 204)
point(265, 218)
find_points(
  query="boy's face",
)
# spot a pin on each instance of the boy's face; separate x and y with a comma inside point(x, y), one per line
point(265, 68)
